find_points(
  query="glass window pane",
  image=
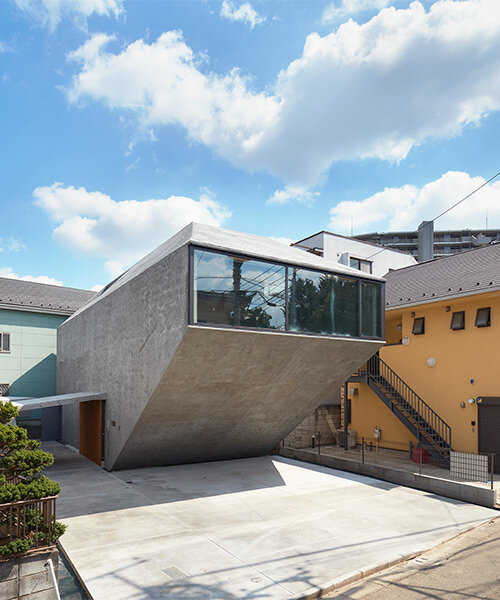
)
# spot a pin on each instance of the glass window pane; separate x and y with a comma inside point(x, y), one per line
point(236, 291)
point(483, 317)
point(371, 309)
point(323, 303)
point(365, 266)
point(418, 326)
point(6, 342)
point(458, 320)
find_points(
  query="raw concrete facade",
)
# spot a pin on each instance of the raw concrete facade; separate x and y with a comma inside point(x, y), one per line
point(179, 392)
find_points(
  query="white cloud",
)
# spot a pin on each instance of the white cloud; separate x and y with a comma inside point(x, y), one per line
point(244, 12)
point(372, 90)
point(49, 13)
point(283, 240)
point(298, 193)
point(406, 207)
point(343, 8)
point(92, 224)
point(4, 47)
point(8, 272)
point(163, 84)
point(11, 245)
point(96, 288)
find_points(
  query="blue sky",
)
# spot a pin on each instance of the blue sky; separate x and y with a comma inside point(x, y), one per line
point(124, 121)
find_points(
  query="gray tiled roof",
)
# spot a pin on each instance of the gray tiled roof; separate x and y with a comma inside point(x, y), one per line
point(40, 297)
point(472, 271)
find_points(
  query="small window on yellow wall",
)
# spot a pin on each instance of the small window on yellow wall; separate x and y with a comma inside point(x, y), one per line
point(483, 317)
point(418, 326)
point(458, 320)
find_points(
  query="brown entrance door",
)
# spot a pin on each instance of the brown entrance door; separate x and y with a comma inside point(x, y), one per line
point(91, 430)
point(489, 428)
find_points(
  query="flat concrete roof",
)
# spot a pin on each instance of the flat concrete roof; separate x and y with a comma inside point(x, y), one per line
point(25, 404)
point(266, 528)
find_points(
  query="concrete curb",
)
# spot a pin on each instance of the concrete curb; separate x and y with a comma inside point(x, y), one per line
point(75, 570)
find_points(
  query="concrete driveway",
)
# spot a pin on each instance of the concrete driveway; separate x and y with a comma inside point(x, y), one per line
point(259, 528)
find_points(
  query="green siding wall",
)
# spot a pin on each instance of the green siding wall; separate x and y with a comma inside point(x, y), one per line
point(30, 368)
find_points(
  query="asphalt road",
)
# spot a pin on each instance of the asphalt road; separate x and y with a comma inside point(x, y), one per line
point(465, 568)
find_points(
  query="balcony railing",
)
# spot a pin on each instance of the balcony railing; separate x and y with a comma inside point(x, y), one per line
point(31, 520)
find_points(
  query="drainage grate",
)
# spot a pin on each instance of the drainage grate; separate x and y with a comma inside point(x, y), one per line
point(174, 573)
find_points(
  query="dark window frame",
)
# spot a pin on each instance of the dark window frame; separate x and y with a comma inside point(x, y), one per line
point(359, 261)
point(460, 318)
point(2, 337)
point(417, 321)
point(479, 322)
point(287, 265)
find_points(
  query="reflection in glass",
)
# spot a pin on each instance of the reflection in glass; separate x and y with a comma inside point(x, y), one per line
point(323, 303)
point(243, 292)
point(237, 291)
point(371, 301)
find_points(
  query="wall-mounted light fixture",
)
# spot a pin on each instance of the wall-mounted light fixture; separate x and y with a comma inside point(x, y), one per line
point(412, 315)
point(431, 362)
point(405, 340)
point(448, 308)
point(462, 404)
point(471, 400)
point(399, 327)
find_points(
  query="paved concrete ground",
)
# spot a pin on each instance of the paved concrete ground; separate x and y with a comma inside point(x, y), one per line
point(262, 528)
point(464, 568)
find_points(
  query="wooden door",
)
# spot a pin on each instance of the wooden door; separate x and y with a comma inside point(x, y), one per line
point(91, 430)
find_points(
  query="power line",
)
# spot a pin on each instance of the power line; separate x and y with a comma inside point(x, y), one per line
point(468, 196)
point(448, 209)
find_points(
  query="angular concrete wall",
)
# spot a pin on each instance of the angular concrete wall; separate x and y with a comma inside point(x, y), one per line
point(232, 394)
point(122, 346)
point(178, 393)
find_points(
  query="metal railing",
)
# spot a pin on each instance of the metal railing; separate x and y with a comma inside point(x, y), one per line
point(33, 520)
point(464, 466)
point(433, 430)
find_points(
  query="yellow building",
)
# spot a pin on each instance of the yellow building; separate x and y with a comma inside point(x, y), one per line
point(438, 376)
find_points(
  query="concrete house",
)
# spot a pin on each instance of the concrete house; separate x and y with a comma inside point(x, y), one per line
point(214, 346)
point(443, 340)
point(364, 256)
point(30, 314)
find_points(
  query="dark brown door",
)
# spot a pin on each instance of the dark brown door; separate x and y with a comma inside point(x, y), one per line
point(489, 428)
point(91, 430)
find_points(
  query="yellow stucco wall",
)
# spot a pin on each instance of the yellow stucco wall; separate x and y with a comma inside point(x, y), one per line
point(467, 366)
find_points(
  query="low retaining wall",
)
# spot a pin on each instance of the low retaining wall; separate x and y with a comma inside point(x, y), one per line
point(28, 577)
point(444, 487)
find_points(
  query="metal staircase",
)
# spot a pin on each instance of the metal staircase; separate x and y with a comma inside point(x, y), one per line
point(417, 416)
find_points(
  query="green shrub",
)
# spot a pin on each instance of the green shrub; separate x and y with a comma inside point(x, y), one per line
point(20, 461)
point(24, 463)
point(41, 487)
point(7, 412)
point(17, 546)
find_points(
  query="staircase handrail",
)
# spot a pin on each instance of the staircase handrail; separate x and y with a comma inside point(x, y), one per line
point(375, 366)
